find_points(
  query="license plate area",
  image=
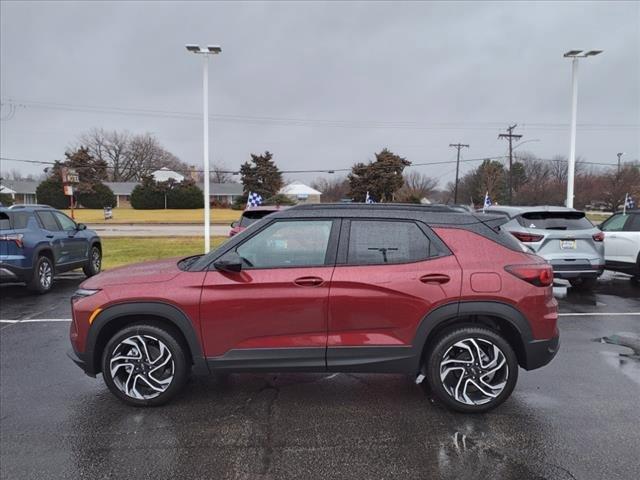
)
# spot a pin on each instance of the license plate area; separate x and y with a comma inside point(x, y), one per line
point(568, 244)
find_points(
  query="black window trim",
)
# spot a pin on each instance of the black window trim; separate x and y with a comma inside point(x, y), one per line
point(330, 256)
point(435, 243)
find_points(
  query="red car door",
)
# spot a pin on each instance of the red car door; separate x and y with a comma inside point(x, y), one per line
point(274, 312)
point(393, 275)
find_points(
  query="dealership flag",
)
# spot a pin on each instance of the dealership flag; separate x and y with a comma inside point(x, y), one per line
point(487, 201)
point(368, 199)
point(254, 200)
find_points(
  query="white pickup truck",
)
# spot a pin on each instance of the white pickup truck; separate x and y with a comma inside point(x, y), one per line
point(622, 242)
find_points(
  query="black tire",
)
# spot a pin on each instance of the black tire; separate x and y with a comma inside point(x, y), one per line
point(178, 365)
point(94, 263)
point(43, 275)
point(445, 344)
point(584, 283)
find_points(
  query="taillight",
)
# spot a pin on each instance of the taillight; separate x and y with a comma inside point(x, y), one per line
point(527, 237)
point(540, 275)
point(13, 237)
point(598, 237)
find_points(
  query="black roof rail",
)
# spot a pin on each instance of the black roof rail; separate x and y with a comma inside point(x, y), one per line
point(19, 206)
point(377, 206)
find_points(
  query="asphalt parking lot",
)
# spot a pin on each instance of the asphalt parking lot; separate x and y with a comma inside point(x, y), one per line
point(578, 418)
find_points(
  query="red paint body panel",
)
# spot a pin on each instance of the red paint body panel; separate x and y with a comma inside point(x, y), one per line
point(383, 304)
point(475, 253)
point(264, 309)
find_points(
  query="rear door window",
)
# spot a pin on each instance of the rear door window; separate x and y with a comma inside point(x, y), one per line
point(633, 225)
point(48, 221)
point(375, 242)
point(555, 220)
point(615, 223)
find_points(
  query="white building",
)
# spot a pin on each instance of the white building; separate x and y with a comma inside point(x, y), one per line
point(301, 193)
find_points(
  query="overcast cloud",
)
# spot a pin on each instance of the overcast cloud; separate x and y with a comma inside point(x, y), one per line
point(407, 67)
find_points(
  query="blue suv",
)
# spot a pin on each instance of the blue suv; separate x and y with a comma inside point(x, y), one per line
point(37, 242)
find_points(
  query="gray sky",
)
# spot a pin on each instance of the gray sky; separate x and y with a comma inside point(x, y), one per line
point(413, 77)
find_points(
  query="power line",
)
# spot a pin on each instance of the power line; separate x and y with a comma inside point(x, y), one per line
point(303, 122)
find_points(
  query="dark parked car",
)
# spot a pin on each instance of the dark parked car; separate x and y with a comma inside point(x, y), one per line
point(252, 215)
point(425, 291)
point(37, 242)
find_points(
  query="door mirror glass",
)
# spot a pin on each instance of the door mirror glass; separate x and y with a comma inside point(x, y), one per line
point(230, 262)
point(234, 224)
point(81, 226)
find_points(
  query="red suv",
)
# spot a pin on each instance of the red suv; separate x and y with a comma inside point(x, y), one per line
point(426, 291)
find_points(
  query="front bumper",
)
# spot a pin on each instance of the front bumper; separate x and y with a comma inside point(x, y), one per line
point(538, 353)
point(79, 360)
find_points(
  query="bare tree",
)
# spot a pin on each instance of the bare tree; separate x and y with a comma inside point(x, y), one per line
point(416, 187)
point(333, 189)
point(220, 174)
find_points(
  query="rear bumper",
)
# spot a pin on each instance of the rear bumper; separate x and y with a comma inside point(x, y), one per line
point(538, 353)
point(11, 273)
point(577, 269)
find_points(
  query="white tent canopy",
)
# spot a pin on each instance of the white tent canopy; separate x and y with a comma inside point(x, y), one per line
point(299, 189)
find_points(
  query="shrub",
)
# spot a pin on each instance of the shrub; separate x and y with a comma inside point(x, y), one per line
point(146, 197)
point(279, 199)
point(50, 192)
point(185, 196)
point(5, 199)
point(100, 196)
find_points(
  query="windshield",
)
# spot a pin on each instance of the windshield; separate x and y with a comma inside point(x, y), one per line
point(250, 217)
point(555, 220)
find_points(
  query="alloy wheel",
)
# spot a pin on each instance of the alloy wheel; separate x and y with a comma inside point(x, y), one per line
point(474, 371)
point(96, 259)
point(45, 274)
point(142, 367)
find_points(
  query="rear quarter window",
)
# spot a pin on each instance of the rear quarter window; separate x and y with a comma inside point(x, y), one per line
point(555, 220)
point(5, 222)
point(20, 220)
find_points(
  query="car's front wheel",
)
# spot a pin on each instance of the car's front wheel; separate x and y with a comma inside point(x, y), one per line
point(94, 264)
point(471, 369)
point(145, 364)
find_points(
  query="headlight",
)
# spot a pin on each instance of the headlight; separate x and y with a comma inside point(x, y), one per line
point(83, 292)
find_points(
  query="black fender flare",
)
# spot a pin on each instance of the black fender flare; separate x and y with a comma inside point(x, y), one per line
point(451, 311)
point(39, 249)
point(168, 312)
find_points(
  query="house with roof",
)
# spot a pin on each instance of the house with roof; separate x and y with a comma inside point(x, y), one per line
point(301, 193)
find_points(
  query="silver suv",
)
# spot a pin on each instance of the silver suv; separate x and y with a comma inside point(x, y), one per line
point(564, 237)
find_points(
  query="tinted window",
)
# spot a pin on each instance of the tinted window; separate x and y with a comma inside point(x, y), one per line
point(555, 220)
point(251, 217)
point(615, 223)
point(66, 222)
point(48, 221)
point(375, 242)
point(288, 244)
point(633, 225)
point(5, 224)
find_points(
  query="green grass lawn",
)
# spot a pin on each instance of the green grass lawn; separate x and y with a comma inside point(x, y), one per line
point(119, 251)
point(129, 215)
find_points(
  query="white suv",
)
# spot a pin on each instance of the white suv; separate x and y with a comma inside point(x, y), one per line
point(622, 242)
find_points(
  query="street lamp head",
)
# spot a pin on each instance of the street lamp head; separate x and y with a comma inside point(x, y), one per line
point(210, 49)
point(582, 53)
point(193, 48)
point(215, 49)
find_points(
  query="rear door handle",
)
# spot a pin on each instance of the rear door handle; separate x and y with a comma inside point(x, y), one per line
point(308, 281)
point(435, 278)
point(49, 236)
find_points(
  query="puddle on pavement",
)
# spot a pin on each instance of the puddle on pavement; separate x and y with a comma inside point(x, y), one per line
point(628, 361)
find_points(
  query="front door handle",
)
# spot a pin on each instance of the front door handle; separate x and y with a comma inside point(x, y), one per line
point(49, 236)
point(308, 281)
point(435, 278)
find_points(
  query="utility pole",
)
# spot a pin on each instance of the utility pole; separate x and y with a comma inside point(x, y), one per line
point(619, 156)
point(455, 190)
point(510, 136)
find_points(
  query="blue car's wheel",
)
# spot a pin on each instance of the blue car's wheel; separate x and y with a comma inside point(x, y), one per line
point(42, 279)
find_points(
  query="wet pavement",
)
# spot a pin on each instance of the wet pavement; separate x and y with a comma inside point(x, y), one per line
point(578, 418)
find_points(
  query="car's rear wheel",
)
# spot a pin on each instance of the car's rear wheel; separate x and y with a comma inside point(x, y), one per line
point(95, 262)
point(42, 279)
point(471, 369)
point(145, 364)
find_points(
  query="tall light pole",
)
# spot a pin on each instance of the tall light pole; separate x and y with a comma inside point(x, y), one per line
point(574, 55)
point(206, 52)
point(619, 157)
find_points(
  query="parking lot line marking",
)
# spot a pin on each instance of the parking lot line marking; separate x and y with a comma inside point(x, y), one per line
point(37, 320)
point(598, 314)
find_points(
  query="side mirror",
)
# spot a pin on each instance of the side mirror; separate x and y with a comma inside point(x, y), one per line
point(234, 224)
point(81, 226)
point(231, 262)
